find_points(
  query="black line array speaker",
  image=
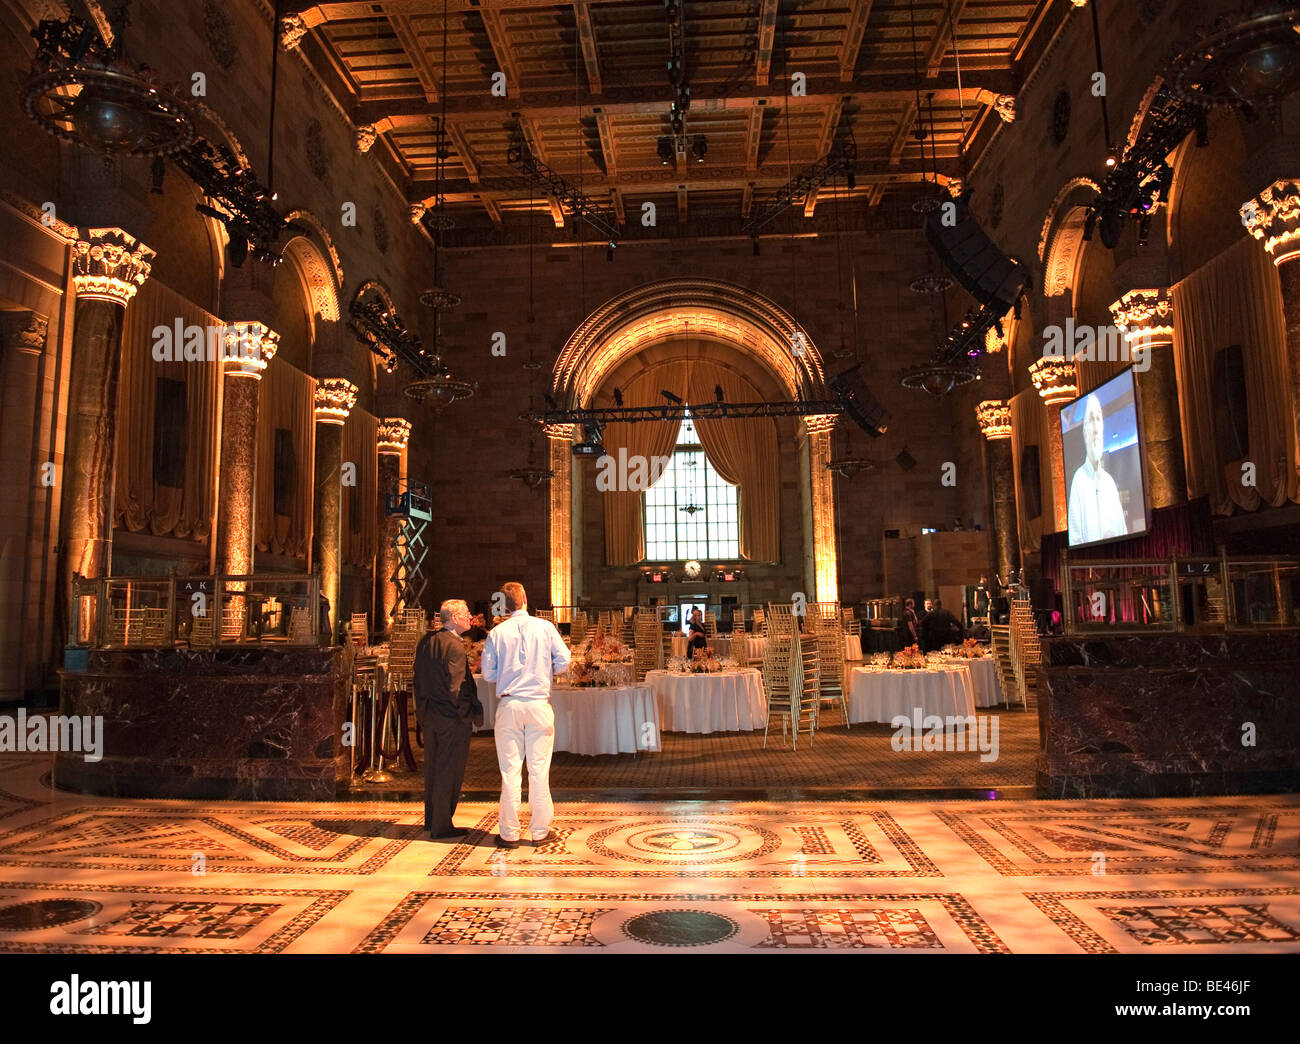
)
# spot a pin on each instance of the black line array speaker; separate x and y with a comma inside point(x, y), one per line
point(863, 408)
point(978, 264)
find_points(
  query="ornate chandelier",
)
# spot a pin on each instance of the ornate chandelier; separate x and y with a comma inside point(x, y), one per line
point(1249, 58)
point(938, 377)
point(82, 89)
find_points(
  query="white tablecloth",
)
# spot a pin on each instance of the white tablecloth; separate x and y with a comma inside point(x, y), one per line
point(619, 720)
point(702, 703)
point(852, 647)
point(986, 681)
point(879, 695)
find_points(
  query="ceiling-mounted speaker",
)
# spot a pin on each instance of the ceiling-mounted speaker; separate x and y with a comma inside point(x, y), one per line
point(906, 461)
point(863, 408)
point(978, 264)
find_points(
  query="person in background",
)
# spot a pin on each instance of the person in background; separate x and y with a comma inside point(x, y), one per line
point(325, 634)
point(911, 629)
point(940, 628)
point(447, 702)
point(521, 656)
point(699, 639)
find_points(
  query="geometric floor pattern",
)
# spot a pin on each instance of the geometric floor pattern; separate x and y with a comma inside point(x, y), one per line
point(80, 874)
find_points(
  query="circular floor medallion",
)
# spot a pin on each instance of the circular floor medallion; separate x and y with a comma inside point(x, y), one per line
point(45, 913)
point(680, 928)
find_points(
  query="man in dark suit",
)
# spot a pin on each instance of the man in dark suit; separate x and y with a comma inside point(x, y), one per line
point(446, 702)
point(940, 628)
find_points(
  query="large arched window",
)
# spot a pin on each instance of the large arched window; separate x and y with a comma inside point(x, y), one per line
point(690, 512)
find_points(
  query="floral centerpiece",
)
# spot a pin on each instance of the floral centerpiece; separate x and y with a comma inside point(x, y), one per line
point(705, 661)
point(474, 656)
point(909, 659)
point(970, 649)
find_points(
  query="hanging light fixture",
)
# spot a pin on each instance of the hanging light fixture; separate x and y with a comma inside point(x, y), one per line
point(938, 377)
point(436, 386)
point(82, 89)
point(1249, 57)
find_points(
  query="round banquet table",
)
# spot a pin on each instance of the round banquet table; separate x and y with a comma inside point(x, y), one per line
point(986, 681)
point(703, 703)
point(620, 719)
point(880, 695)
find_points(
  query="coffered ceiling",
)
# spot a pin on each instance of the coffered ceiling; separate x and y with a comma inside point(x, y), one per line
point(587, 84)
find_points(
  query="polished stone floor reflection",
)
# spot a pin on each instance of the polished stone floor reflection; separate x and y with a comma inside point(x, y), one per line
point(1197, 875)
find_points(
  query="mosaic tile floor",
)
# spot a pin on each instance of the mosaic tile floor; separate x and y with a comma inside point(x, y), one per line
point(1200, 875)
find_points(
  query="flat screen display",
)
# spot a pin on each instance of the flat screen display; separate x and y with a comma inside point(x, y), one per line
point(1105, 469)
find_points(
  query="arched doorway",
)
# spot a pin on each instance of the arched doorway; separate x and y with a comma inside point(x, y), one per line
point(631, 333)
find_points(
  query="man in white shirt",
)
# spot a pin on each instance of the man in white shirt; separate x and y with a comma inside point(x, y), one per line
point(1095, 511)
point(521, 655)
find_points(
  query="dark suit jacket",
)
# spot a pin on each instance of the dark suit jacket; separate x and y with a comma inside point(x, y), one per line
point(442, 679)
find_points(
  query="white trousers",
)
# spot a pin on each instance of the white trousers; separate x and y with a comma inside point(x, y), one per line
point(525, 729)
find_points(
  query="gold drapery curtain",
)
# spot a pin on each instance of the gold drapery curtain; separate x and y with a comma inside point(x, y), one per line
point(625, 510)
point(744, 453)
point(140, 503)
point(1235, 299)
point(1091, 374)
point(288, 398)
point(361, 502)
point(1029, 428)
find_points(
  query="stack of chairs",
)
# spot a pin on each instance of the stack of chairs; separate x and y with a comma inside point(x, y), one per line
point(578, 629)
point(299, 626)
point(852, 625)
point(759, 624)
point(201, 630)
point(232, 621)
point(647, 651)
point(359, 628)
point(546, 614)
point(399, 693)
point(830, 644)
point(808, 675)
point(780, 682)
point(711, 624)
point(779, 619)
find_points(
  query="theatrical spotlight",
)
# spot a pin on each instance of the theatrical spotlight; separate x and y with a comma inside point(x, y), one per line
point(717, 392)
point(699, 147)
point(591, 444)
point(618, 397)
point(665, 151)
point(676, 400)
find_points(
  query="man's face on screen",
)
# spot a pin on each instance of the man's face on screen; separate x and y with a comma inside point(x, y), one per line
point(1094, 442)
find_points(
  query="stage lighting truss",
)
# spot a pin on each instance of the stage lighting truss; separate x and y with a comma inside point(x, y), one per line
point(674, 411)
point(1140, 181)
point(840, 160)
point(243, 203)
point(553, 184)
point(387, 336)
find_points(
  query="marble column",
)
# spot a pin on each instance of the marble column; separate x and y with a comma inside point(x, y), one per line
point(394, 433)
point(109, 266)
point(20, 367)
point(250, 346)
point(560, 439)
point(335, 398)
point(1055, 380)
point(816, 433)
point(1147, 314)
point(994, 418)
point(1273, 217)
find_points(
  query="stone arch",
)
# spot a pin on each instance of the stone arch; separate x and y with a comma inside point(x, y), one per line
point(374, 286)
point(1060, 246)
point(687, 308)
point(317, 275)
point(305, 219)
point(1208, 188)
